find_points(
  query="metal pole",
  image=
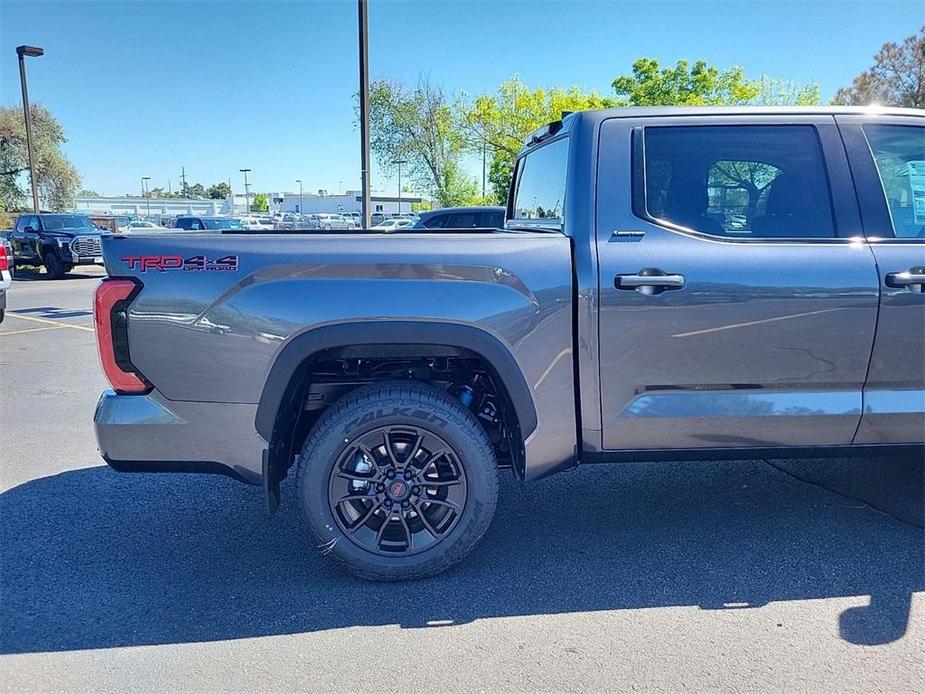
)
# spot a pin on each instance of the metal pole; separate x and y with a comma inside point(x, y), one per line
point(183, 181)
point(145, 193)
point(364, 109)
point(27, 114)
point(483, 168)
point(247, 197)
point(301, 204)
point(399, 189)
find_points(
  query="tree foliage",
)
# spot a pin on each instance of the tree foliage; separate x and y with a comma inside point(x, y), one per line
point(219, 191)
point(260, 203)
point(897, 77)
point(683, 85)
point(502, 121)
point(56, 177)
point(419, 125)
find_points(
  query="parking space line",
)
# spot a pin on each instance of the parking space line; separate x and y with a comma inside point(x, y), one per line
point(29, 330)
point(50, 322)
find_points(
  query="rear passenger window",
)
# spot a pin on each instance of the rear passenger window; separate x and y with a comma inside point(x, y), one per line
point(438, 221)
point(540, 188)
point(899, 152)
point(738, 181)
point(493, 220)
point(464, 220)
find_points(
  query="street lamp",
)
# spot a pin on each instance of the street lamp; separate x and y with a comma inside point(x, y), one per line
point(399, 162)
point(247, 199)
point(362, 27)
point(145, 193)
point(301, 207)
point(32, 52)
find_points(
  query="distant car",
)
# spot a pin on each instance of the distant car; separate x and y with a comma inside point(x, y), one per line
point(207, 223)
point(392, 224)
point(330, 222)
point(140, 225)
point(252, 223)
point(461, 218)
point(291, 220)
point(6, 274)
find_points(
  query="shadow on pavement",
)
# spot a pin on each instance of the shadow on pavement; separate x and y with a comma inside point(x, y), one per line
point(95, 559)
point(35, 274)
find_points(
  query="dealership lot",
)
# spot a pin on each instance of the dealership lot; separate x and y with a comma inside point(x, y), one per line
point(797, 575)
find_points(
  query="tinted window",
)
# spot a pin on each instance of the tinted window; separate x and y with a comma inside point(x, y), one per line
point(739, 181)
point(60, 222)
point(493, 220)
point(27, 221)
point(438, 221)
point(540, 191)
point(899, 151)
point(463, 220)
point(220, 224)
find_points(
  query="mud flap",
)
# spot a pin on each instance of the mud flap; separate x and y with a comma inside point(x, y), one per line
point(270, 487)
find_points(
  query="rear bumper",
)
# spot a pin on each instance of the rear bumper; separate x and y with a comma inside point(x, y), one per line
point(148, 433)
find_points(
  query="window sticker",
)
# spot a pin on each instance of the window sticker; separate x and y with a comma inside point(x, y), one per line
point(916, 171)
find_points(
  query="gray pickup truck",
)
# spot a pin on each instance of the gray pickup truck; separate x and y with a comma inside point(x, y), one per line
point(670, 284)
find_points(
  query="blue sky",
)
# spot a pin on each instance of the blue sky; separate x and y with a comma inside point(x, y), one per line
point(143, 88)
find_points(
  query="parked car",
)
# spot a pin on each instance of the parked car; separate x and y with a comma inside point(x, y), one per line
point(392, 224)
point(57, 241)
point(207, 223)
point(6, 273)
point(461, 218)
point(291, 220)
point(330, 222)
point(615, 318)
point(253, 223)
point(141, 226)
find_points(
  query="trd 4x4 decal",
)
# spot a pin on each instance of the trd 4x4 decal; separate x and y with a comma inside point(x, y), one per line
point(175, 262)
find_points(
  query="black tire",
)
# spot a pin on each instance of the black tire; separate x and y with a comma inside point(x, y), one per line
point(419, 407)
point(54, 266)
point(2, 314)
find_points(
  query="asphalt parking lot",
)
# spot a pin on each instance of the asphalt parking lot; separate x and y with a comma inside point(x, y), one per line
point(752, 575)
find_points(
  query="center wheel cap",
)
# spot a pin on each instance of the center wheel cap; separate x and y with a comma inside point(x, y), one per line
point(398, 490)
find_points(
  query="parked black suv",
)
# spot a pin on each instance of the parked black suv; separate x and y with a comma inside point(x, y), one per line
point(460, 218)
point(57, 241)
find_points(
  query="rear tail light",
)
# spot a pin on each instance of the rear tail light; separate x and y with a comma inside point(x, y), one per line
point(4, 256)
point(110, 309)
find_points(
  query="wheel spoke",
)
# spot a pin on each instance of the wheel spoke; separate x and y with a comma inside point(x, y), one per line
point(427, 524)
point(385, 523)
point(440, 483)
point(441, 502)
point(365, 517)
point(387, 436)
point(368, 455)
point(407, 528)
point(353, 496)
point(355, 476)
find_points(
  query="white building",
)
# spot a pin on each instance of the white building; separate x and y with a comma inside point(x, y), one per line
point(155, 207)
point(351, 201)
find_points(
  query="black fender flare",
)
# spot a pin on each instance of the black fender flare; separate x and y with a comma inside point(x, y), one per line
point(306, 345)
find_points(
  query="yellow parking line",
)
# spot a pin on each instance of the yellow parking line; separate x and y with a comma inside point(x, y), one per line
point(30, 330)
point(50, 322)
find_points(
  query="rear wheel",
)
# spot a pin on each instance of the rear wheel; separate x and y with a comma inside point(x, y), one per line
point(397, 481)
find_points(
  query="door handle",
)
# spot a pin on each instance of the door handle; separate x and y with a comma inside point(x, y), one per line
point(912, 279)
point(649, 281)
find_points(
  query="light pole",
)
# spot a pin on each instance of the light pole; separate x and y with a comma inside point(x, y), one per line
point(364, 108)
point(301, 207)
point(399, 162)
point(247, 197)
point(32, 52)
point(145, 193)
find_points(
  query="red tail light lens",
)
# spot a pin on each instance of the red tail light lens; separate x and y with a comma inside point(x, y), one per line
point(4, 256)
point(110, 311)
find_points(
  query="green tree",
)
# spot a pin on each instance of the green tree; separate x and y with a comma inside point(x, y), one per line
point(777, 92)
point(897, 77)
point(419, 125)
point(683, 85)
point(259, 203)
point(219, 191)
point(197, 190)
point(502, 121)
point(87, 193)
point(57, 178)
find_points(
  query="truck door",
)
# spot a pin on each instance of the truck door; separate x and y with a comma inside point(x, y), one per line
point(24, 239)
point(887, 155)
point(738, 299)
